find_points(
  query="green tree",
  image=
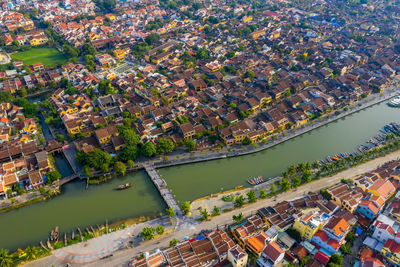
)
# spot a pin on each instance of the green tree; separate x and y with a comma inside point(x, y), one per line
point(86, 171)
point(69, 51)
point(238, 218)
point(152, 38)
point(186, 207)
point(263, 194)
point(239, 201)
point(171, 213)
point(285, 184)
point(190, 144)
point(53, 176)
point(98, 159)
point(204, 214)
point(120, 167)
point(23, 92)
point(88, 49)
point(325, 194)
point(173, 243)
point(306, 176)
point(346, 249)
point(130, 152)
point(296, 181)
point(5, 258)
point(273, 188)
point(148, 149)
point(31, 252)
point(160, 229)
point(335, 260)
point(129, 135)
point(131, 163)
point(216, 211)
point(105, 87)
point(148, 233)
point(252, 196)
point(164, 145)
point(304, 261)
point(60, 138)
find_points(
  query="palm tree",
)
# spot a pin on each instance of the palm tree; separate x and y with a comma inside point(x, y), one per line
point(31, 252)
point(238, 218)
point(204, 214)
point(5, 258)
point(171, 213)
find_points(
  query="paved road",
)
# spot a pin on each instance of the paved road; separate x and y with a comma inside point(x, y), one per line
point(190, 227)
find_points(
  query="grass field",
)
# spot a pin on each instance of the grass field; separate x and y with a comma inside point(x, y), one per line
point(50, 57)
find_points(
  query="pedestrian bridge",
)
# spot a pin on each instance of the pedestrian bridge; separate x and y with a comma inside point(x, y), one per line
point(162, 188)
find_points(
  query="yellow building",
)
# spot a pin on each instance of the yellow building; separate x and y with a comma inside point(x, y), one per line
point(38, 41)
point(310, 222)
point(68, 110)
point(391, 250)
point(121, 53)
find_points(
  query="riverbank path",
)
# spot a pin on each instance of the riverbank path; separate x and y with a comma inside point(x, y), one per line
point(162, 188)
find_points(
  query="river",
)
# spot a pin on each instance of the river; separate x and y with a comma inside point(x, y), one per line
point(77, 207)
point(192, 181)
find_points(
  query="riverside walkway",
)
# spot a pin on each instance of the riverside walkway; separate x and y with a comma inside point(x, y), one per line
point(162, 188)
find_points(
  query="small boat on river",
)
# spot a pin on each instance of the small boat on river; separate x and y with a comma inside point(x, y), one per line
point(256, 180)
point(395, 102)
point(54, 234)
point(124, 186)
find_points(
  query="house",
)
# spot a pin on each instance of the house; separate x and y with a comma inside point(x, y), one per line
point(272, 254)
point(36, 179)
point(310, 222)
point(257, 243)
point(104, 135)
point(154, 260)
point(391, 251)
point(369, 208)
point(337, 228)
point(344, 197)
point(237, 256)
point(322, 239)
point(42, 160)
point(187, 130)
point(382, 188)
point(383, 232)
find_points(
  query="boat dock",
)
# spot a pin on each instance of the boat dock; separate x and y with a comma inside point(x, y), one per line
point(162, 188)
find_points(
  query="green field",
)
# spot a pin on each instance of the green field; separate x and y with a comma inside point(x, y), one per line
point(50, 57)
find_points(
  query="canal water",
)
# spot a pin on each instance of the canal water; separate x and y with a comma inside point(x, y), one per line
point(189, 182)
point(77, 207)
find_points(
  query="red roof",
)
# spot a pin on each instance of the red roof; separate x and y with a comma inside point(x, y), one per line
point(273, 251)
point(392, 246)
point(333, 243)
point(321, 234)
point(321, 257)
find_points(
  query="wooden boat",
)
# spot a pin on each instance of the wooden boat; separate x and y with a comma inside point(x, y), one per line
point(54, 234)
point(123, 186)
point(239, 186)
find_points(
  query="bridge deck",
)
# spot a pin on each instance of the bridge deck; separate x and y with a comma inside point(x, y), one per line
point(162, 188)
